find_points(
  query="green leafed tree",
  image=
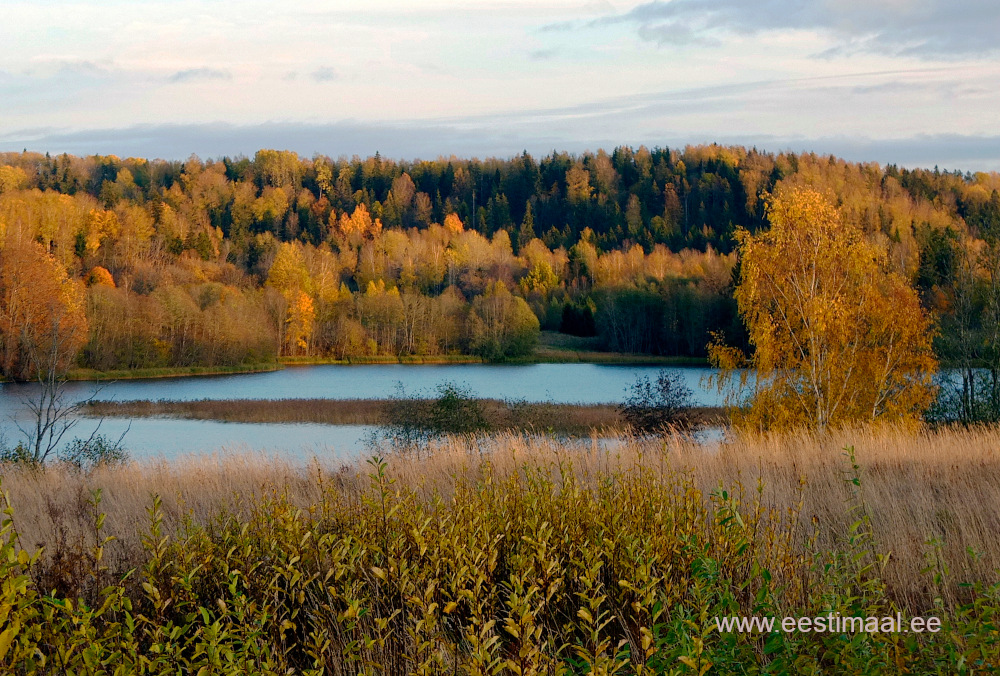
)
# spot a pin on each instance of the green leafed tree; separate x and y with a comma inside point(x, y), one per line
point(502, 325)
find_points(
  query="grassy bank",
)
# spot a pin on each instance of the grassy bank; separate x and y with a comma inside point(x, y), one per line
point(384, 359)
point(171, 372)
point(553, 348)
point(516, 555)
point(560, 348)
point(499, 415)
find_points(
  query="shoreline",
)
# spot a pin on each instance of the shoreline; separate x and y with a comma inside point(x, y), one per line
point(548, 357)
point(93, 375)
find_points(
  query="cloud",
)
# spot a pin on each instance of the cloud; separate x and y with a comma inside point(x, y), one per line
point(559, 27)
point(675, 33)
point(64, 69)
point(922, 28)
point(193, 74)
point(543, 54)
point(85, 69)
point(324, 74)
point(866, 89)
point(479, 138)
point(891, 87)
point(951, 152)
point(178, 141)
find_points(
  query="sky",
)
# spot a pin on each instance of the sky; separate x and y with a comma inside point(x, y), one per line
point(910, 82)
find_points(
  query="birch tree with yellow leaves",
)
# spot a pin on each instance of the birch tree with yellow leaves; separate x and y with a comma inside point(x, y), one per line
point(838, 336)
point(290, 276)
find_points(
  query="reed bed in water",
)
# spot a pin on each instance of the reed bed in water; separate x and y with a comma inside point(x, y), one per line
point(518, 554)
point(499, 415)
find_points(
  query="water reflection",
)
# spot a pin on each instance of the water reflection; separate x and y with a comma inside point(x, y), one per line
point(167, 437)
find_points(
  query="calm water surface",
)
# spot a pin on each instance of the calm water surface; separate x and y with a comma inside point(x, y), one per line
point(560, 383)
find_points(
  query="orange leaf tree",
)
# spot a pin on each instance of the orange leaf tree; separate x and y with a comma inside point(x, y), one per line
point(42, 319)
point(42, 328)
point(838, 336)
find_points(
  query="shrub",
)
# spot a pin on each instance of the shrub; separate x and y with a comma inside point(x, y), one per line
point(97, 451)
point(456, 411)
point(84, 454)
point(413, 421)
point(653, 406)
point(15, 455)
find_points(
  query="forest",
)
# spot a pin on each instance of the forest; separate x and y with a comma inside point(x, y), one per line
point(135, 263)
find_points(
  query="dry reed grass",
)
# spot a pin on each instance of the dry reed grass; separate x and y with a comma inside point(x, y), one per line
point(512, 554)
point(559, 418)
point(915, 487)
point(52, 508)
point(324, 411)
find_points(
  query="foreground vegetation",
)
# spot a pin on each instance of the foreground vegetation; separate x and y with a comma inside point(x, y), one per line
point(511, 555)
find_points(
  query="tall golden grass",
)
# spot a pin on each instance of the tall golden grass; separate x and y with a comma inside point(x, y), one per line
point(915, 487)
point(520, 554)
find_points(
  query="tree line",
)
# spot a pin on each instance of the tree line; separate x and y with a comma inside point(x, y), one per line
point(242, 260)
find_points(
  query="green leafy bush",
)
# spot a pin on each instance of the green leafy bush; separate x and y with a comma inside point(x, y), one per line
point(654, 406)
point(97, 451)
point(454, 410)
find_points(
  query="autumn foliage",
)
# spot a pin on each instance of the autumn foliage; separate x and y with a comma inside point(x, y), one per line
point(42, 319)
point(245, 260)
point(100, 276)
point(838, 336)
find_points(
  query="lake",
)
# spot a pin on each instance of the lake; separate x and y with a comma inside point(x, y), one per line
point(148, 437)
